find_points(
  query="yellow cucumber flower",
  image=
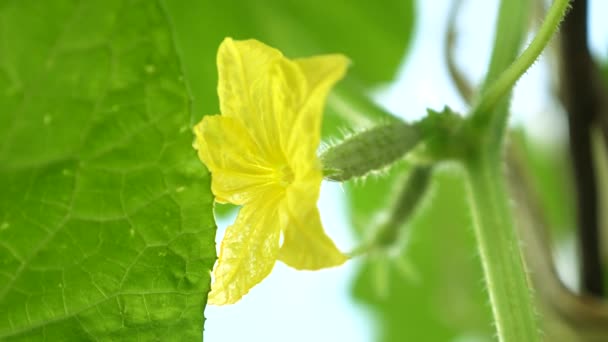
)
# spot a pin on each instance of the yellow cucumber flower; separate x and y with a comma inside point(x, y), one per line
point(262, 154)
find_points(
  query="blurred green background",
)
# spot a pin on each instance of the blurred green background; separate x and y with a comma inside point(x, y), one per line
point(106, 227)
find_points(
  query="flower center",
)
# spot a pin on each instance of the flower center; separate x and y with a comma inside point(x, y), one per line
point(285, 176)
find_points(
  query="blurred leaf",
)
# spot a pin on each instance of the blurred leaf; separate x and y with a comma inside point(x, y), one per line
point(224, 209)
point(448, 300)
point(106, 231)
point(550, 172)
point(374, 37)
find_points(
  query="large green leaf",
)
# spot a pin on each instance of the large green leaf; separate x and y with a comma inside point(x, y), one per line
point(106, 230)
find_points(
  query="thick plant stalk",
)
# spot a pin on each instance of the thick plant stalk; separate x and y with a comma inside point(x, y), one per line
point(501, 257)
point(505, 82)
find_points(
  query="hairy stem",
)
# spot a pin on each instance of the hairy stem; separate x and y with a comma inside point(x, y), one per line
point(502, 86)
point(501, 257)
point(369, 151)
point(408, 199)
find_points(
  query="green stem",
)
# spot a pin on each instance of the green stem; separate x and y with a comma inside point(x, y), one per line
point(507, 79)
point(500, 253)
point(408, 198)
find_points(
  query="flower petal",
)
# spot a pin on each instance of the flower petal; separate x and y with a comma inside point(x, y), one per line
point(248, 253)
point(278, 98)
point(305, 244)
point(239, 172)
point(241, 64)
point(244, 66)
point(290, 102)
point(279, 101)
point(321, 73)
